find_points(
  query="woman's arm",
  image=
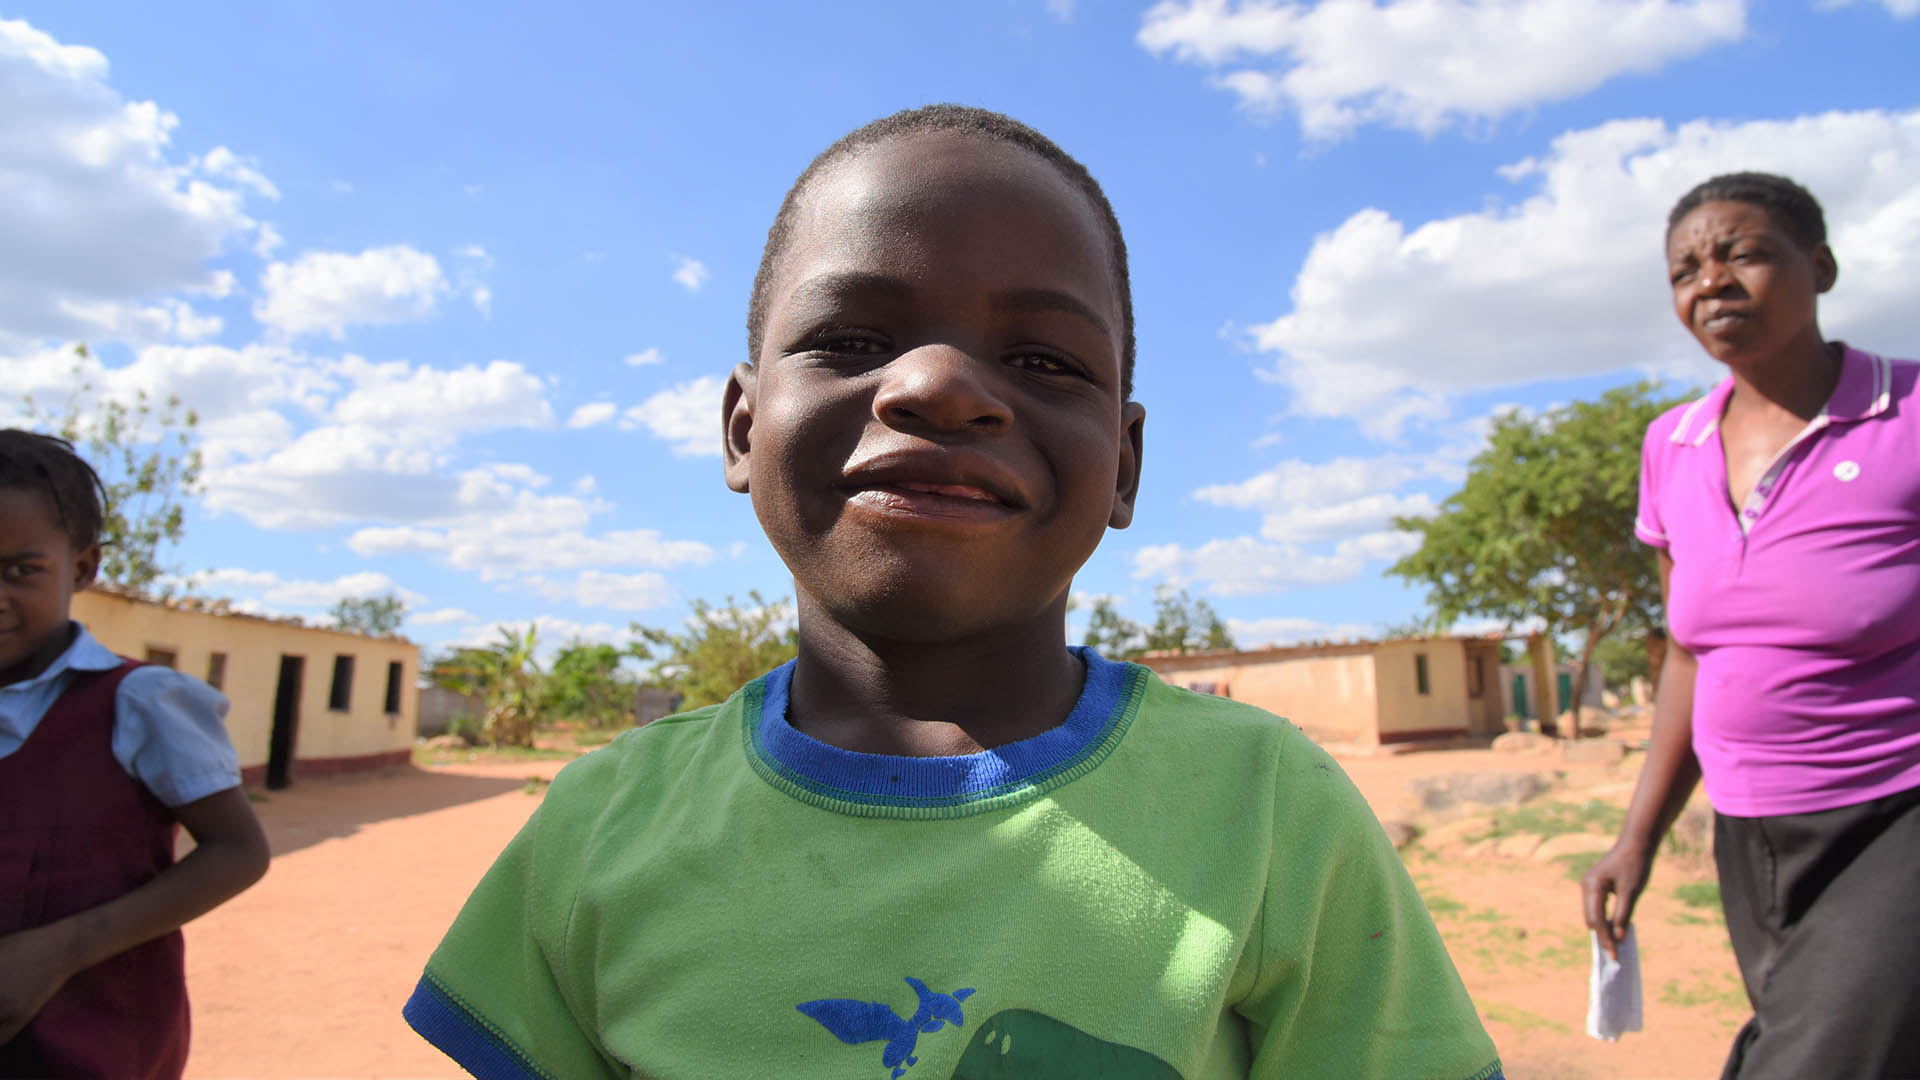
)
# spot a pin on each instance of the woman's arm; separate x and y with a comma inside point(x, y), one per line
point(1666, 782)
point(230, 853)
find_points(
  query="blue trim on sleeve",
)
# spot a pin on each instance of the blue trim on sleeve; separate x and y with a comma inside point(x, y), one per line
point(464, 1037)
point(891, 780)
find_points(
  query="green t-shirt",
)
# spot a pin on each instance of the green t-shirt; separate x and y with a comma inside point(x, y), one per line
point(1166, 885)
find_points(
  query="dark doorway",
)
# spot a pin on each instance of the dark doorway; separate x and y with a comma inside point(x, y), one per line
point(286, 722)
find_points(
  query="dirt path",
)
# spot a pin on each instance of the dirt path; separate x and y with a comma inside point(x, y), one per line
point(304, 975)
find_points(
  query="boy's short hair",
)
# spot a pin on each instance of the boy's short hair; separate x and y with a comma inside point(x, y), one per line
point(1791, 206)
point(963, 119)
point(30, 461)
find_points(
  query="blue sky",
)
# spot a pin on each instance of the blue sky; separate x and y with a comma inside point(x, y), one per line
point(453, 287)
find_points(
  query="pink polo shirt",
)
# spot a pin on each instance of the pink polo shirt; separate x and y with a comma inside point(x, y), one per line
point(1803, 605)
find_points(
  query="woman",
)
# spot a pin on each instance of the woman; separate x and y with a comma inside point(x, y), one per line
point(1785, 505)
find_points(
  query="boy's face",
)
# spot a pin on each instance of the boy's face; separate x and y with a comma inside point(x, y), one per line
point(933, 434)
point(40, 570)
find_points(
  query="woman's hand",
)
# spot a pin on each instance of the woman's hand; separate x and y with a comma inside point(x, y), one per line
point(1621, 874)
point(33, 967)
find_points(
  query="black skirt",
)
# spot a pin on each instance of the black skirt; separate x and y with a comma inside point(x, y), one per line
point(1824, 912)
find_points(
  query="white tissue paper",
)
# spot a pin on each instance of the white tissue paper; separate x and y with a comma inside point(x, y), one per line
point(1613, 993)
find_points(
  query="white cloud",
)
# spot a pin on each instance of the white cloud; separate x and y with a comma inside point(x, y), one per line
point(441, 617)
point(645, 358)
point(591, 414)
point(691, 274)
point(327, 291)
point(225, 164)
point(476, 253)
point(599, 588)
point(1302, 501)
point(274, 590)
point(1244, 566)
point(1428, 64)
point(1285, 630)
point(1390, 320)
point(266, 241)
point(422, 399)
point(687, 415)
point(1061, 9)
point(482, 298)
point(97, 219)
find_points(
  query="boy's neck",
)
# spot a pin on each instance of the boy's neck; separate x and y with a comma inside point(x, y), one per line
point(916, 699)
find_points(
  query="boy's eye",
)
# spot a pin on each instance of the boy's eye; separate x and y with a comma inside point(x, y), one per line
point(848, 343)
point(1043, 363)
point(18, 571)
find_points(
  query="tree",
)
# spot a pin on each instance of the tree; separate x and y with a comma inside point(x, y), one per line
point(721, 649)
point(1112, 634)
point(586, 683)
point(505, 678)
point(149, 464)
point(1183, 624)
point(1541, 528)
point(375, 615)
point(1180, 624)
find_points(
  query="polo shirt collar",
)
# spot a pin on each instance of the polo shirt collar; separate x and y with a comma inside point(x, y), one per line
point(1863, 392)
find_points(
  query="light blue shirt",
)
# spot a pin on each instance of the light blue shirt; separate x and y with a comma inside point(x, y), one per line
point(169, 729)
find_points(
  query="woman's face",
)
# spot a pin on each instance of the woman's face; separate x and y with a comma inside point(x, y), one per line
point(1742, 285)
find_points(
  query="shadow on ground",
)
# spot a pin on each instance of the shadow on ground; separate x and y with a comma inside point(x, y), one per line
point(325, 808)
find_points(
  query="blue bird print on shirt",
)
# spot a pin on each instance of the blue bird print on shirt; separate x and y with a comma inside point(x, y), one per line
point(854, 1022)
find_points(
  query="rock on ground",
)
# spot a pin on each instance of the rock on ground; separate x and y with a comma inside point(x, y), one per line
point(1479, 788)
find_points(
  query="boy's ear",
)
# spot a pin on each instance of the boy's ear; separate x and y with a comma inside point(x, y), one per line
point(1126, 481)
point(736, 423)
point(86, 564)
point(1826, 268)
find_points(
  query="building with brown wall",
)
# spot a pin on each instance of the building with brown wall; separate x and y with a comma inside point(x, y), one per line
point(305, 700)
point(1365, 693)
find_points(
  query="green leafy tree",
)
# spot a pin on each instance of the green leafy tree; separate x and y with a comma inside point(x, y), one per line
point(720, 650)
point(1184, 624)
point(148, 460)
point(587, 683)
point(1112, 634)
point(505, 678)
point(1541, 527)
point(375, 615)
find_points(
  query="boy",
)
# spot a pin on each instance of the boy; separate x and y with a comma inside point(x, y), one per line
point(940, 841)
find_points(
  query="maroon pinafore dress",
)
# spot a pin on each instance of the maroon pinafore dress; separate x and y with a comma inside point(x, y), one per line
point(75, 832)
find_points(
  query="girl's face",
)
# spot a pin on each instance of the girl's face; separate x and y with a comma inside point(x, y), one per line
point(1741, 284)
point(40, 570)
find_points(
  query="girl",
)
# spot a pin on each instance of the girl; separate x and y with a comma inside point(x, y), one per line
point(100, 759)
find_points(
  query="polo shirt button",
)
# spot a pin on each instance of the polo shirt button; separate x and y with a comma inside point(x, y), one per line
point(1750, 513)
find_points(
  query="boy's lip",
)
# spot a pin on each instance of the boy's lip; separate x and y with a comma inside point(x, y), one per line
point(942, 476)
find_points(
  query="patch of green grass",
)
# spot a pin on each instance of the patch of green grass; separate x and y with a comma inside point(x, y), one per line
point(1555, 819)
point(591, 737)
point(1439, 903)
point(535, 785)
point(255, 795)
point(1721, 992)
point(1577, 863)
point(434, 756)
point(1487, 915)
point(1571, 949)
point(1514, 1016)
point(1702, 894)
point(1688, 918)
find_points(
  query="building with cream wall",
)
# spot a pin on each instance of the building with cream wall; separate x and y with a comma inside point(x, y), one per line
point(304, 700)
point(1363, 693)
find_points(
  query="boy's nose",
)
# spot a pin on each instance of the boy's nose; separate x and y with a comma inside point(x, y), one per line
point(942, 388)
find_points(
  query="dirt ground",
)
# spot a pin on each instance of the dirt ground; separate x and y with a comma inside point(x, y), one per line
point(304, 975)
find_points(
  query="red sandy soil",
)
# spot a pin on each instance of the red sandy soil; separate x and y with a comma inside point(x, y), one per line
point(304, 975)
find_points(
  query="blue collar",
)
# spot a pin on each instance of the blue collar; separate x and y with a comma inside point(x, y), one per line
point(885, 785)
